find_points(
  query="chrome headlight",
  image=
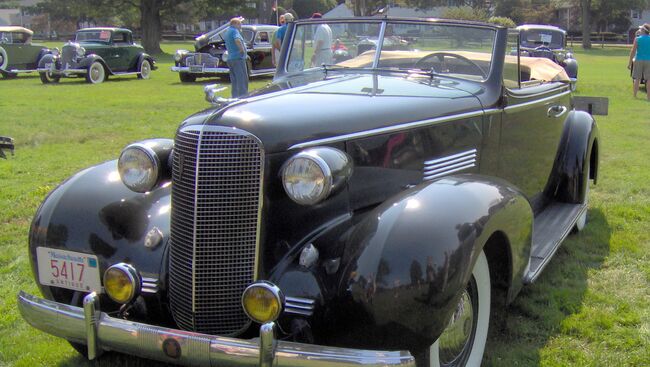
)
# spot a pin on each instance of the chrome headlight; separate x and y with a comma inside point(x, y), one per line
point(141, 165)
point(224, 56)
point(81, 51)
point(310, 176)
point(55, 51)
point(122, 282)
point(178, 56)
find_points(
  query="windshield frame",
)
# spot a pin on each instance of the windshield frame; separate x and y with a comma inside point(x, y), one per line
point(109, 41)
point(383, 23)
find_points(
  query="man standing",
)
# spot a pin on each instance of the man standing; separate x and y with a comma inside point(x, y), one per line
point(322, 43)
point(236, 48)
point(278, 37)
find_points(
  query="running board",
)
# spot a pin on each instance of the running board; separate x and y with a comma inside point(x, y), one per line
point(550, 228)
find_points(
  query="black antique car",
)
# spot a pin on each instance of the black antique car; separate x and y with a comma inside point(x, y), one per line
point(550, 42)
point(6, 143)
point(362, 213)
point(210, 55)
point(95, 54)
point(17, 52)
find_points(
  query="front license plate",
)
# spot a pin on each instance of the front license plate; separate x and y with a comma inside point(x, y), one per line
point(67, 269)
point(196, 69)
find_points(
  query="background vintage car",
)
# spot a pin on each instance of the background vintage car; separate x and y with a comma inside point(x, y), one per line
point(550, 42)
point(376, 204)
point(208, 58)
point(17, 52)
point(97, 53)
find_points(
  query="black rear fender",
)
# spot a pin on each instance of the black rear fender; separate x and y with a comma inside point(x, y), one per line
point(578, 150)
point(408, 260)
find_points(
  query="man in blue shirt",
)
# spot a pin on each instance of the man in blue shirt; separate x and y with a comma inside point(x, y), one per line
point(236, 48)
point(279, 36)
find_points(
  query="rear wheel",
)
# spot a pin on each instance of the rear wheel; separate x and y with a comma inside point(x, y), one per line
point(96, 73)
point(187, 78)
point(463, 341)
point(4, 62)
point(145, 69)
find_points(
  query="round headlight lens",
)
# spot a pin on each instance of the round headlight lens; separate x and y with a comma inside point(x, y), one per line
point(307, 178)
point(138, 167)
point(262, 302)
point(224, 56)
point(178, 55)
point(81, 51)
point(122, 282)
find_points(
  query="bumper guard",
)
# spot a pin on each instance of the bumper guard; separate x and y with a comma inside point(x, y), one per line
point(101, 332)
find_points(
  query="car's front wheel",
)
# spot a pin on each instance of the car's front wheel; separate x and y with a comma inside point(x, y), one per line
point(4, 62)
point(463, 341)
point(144, 69)
point(581, 223)
point(47, 77)
point(96, 73)
point(187, 78)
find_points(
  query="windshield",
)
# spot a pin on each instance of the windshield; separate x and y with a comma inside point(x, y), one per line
point(534, 38)
point(93, 36)
point(456, 50)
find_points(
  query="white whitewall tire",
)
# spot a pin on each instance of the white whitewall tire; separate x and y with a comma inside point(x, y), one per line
point(144, 69)
point(4, 62)
point(581, 223)
point(96, 73)
point(471, 354)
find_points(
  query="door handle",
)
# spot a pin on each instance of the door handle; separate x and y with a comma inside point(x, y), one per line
point(556, 111)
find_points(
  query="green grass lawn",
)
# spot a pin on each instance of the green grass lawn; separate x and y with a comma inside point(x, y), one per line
point(591, 306)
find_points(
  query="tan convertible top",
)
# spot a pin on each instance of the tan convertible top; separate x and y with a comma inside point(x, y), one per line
point(16, 29)
point(539, 68)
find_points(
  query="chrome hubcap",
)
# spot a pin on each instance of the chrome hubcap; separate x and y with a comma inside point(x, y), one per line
point(458, 332)
point(95, 73)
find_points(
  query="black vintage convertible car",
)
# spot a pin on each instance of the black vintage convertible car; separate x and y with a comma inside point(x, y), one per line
point(210, 55)
point(358, 213)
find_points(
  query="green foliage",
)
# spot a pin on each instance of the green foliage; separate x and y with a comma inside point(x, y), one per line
point(504, 21)
point(305, 8)
point(466, 13)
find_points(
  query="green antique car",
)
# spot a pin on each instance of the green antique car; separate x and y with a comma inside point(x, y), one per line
point(17, 53)
point(95, 54)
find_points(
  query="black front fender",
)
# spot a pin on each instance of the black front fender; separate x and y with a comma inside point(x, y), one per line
point(94, 213)
point(408, 260)
point(144, 56)
point(89, 59)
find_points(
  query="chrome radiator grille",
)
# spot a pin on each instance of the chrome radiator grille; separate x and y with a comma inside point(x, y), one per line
point(68, 52)
point(216, 192)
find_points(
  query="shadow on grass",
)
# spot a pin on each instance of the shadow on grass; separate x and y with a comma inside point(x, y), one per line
point(517, 334)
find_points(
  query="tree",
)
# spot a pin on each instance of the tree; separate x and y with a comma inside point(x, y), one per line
point(305, 8)
point(586, 23)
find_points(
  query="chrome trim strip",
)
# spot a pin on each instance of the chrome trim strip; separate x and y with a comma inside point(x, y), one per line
point(468, 154)
point(149, 285)
point(386, 130)
point(448, 172)
point(194, 230)
point(530, 104)
point(438, 167)
point(299, 306)
point(197, 349)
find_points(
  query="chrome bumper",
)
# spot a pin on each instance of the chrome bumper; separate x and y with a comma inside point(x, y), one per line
point(204, 70)
point(101, 332)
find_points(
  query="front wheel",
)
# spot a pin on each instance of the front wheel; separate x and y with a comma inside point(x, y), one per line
point(96, 73)
point(145, 69)
point(186, 78)
point(463, 341)
point(47, 77)
point(581, 223)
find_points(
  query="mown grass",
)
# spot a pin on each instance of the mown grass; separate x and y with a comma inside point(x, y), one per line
point(591, 306)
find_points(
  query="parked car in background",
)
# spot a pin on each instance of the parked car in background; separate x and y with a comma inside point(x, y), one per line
point(550, 42)
point(17, 52)
point(209, 57)
point(95, 54)
point(357, 213)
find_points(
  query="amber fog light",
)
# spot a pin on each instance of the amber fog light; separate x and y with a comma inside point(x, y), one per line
point(262, 302)
point(122, 282)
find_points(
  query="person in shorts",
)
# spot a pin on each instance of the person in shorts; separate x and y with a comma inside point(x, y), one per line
point(640, 59)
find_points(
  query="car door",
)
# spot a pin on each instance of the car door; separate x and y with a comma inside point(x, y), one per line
point(119, 55)
point(261, 58)
point(532, 122)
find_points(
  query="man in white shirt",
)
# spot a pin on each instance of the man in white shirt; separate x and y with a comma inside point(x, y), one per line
point(322, 44)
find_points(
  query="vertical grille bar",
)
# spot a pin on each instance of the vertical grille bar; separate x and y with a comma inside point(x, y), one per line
point(216, 204)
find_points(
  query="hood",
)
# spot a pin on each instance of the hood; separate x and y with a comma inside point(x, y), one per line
point(343, 105)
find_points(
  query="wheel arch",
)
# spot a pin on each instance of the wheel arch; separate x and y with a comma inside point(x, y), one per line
point(145, 56)
point(90, 59)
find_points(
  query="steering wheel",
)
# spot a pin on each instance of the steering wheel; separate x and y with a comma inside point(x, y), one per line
point(421, 64)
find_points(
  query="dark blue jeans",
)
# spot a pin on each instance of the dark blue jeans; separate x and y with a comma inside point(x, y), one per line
point(238, 77)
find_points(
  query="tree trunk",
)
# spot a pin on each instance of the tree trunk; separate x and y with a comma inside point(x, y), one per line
point(586, 23)
point(150, 25)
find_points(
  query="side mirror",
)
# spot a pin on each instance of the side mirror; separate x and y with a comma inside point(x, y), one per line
point(211, 95)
